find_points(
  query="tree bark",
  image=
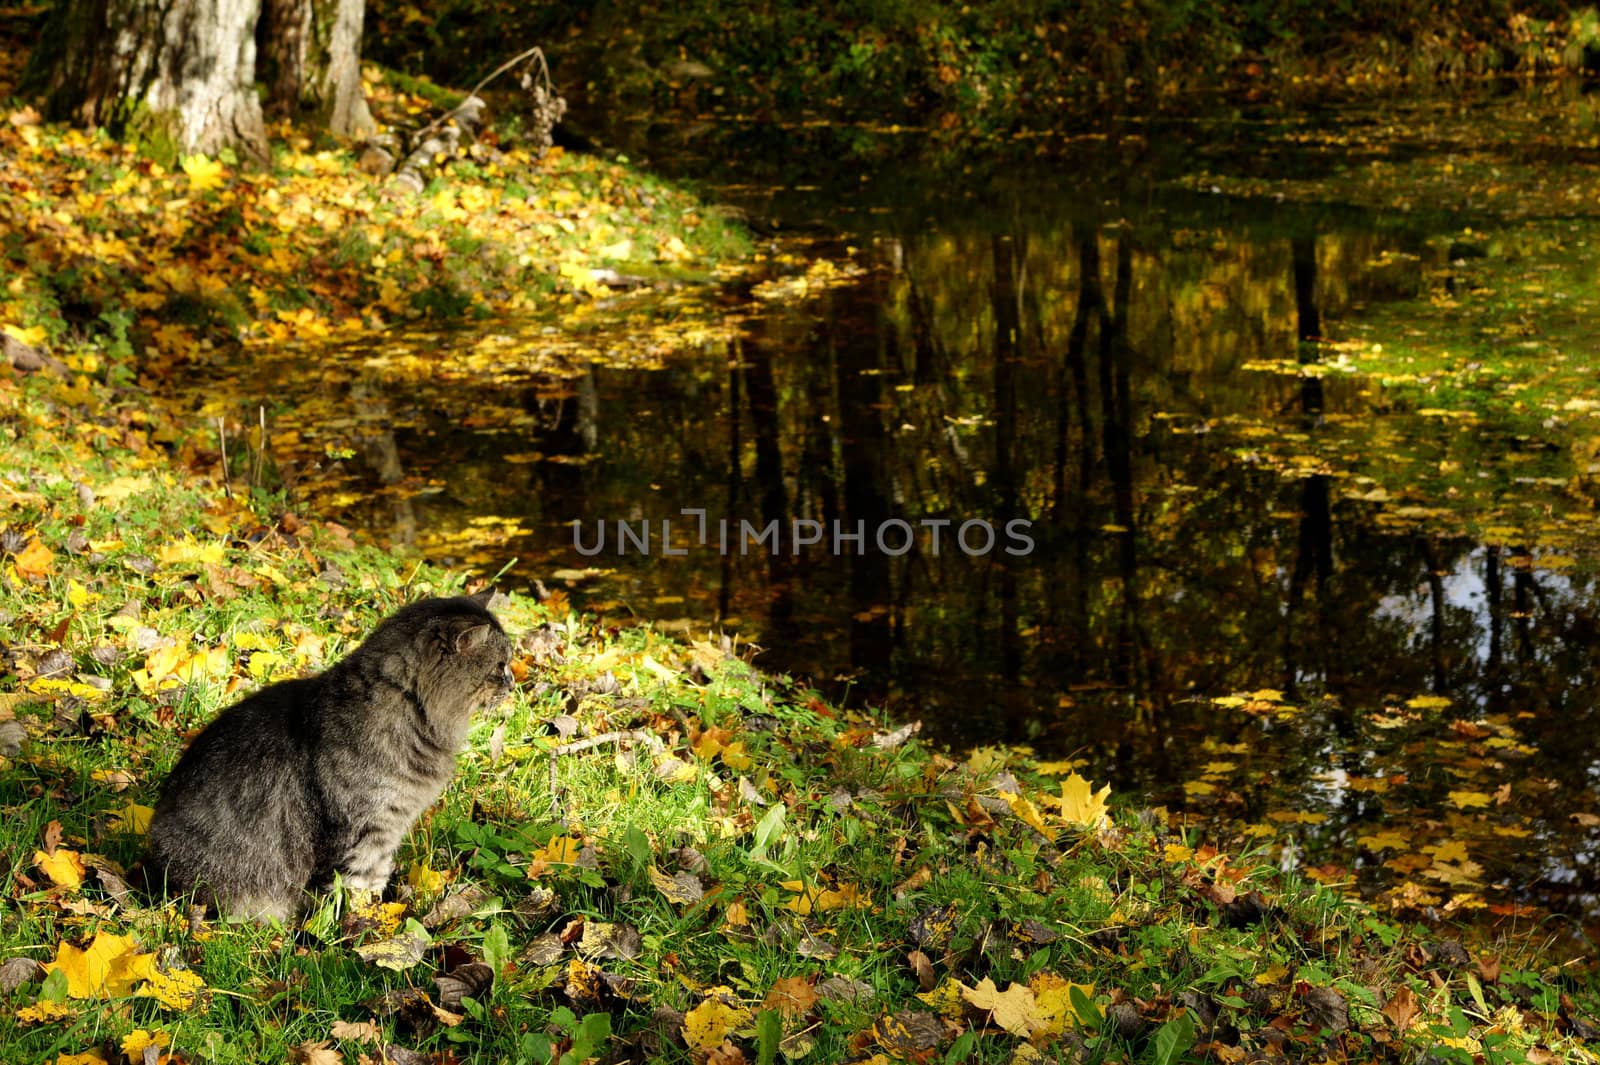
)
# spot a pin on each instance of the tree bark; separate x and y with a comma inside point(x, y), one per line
point(311, 63)
point(176, 74)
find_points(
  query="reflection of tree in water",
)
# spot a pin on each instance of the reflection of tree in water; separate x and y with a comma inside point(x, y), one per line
point(1069, 375)
point(374, 434)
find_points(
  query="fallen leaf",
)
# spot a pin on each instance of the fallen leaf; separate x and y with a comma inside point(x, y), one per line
point(43, 1012)
point(464, 981)
point(134, 1044)
point(705, 1026)
point(34, 561)
point(109, 965)
point(397, 952)
point(603, 940)
point(792, 996)
point(1013, 1009)
point(14, 972)
point(684, 888)
point(132, 819)
point(64, 867)
point(309, 1053)
point(1081, 805)
point(1401, 1008)
point(922, 969)
point(356, 1031)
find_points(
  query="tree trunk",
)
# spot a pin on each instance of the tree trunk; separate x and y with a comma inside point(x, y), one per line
point(176, 74)
point(311, 63)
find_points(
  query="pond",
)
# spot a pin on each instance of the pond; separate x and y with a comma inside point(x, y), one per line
point(1261, 451)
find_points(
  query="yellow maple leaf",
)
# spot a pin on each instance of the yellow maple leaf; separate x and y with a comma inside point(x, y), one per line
point(64, 867)
point(32, 336)
point(1013, 1009)
point(98, 969)
point(708, 1024)
point(132, 818)
point(204, 173)
point(88, 1057)
point(382, 917)
point(1468, 799)
point(1028, 814)
point(44, 1011)
point(425, 880)
point(134, 1043)
point(1449, 851)
point(946, 999)
point(561, 850)
point(821, 900)
point(1053, 998)
point(189, 551)
point(1080, 804)
point(1428, 702)
point(1386, 839)
point(175, 990)
point(34, 560)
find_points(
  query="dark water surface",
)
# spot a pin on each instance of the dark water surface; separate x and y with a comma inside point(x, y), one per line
point(1394, 602)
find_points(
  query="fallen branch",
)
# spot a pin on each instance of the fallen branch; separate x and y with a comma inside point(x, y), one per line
point(649, 739)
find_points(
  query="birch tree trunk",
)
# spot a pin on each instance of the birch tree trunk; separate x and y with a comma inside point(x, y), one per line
point(177, 74)
point(311, 63)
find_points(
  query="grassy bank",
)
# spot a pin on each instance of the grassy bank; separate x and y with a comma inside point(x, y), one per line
point(139, 267)
point(982, 65)
point(740, 872)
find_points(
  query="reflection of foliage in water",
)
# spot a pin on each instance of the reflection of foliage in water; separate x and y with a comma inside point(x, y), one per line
point(1220, 506)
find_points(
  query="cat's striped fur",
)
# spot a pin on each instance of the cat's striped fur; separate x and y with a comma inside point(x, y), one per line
point(307, 778)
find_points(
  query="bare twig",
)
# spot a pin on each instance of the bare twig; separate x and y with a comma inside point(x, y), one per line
point(259, 460)
point(544, 67)
point(639, 735)
point(222, 444)
point(649, 739)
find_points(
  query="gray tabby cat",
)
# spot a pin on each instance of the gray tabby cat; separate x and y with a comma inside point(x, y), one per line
point(307, 778)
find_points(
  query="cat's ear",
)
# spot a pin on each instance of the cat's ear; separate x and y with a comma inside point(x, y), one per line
point(483, 598)
point(472, 637)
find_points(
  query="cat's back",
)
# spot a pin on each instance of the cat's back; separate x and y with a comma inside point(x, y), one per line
point(269, 727)
point(235, 817)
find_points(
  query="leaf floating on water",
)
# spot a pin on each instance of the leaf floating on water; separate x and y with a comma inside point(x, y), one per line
point(1468, 800)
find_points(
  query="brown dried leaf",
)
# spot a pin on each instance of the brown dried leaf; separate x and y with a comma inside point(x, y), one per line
point(1401, 1008)
point(922, 968)
point(356, 1031)
point(309, 1053)
point(545, 949)
point(603, 940)
point(464, 981)
point(684, 888)
point(14, 972)
point(792, 996)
